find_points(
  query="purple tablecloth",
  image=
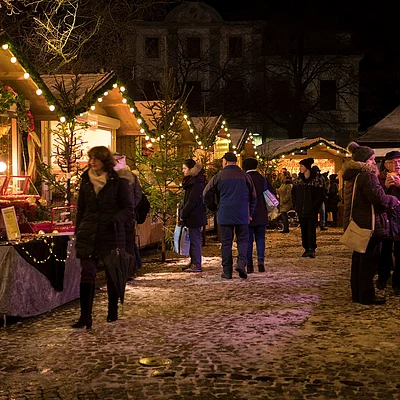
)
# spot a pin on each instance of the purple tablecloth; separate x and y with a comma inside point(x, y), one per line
point(24, 291)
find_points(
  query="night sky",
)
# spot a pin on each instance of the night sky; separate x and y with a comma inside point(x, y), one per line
point(375, 29)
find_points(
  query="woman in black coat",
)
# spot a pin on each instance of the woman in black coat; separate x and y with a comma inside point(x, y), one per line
point(105, 202)
point(259, 219)
point(368, 191)
point(193, 211)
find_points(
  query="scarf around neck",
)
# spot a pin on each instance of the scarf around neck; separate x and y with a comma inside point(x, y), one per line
point(98, 181)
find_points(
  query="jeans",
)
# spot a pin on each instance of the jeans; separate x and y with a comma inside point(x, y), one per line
point(195, 246)
point(242, 238)
point(309, 232)
point(256, 233)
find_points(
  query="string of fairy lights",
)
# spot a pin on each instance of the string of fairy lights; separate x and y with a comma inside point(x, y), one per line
point(50, 245)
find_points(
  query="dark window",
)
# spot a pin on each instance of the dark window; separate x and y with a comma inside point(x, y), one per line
point(281, 95)
point(193, 47)
point(151, 89)
point(327, 95)
point(194, 100)
point(151, 47)
point(235, 49)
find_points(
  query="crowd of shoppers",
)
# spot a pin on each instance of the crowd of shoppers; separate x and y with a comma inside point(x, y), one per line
point(106, 217)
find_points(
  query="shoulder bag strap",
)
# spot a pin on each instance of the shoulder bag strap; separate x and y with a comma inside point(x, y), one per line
point(351, 208)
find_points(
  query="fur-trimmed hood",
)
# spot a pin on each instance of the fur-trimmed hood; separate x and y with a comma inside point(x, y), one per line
point(196, 169)
point(126, 174)
point(352, 168)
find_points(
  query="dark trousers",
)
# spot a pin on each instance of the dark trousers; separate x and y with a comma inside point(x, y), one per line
point(390, 248)
point(285, 221)
point(309, 231)
point(363, 270)
point(256, 233)
point(242, 238)
point(195, 246)
point(89, 270)
point(385, 265)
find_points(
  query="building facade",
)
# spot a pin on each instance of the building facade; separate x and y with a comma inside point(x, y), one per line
point(273, 80)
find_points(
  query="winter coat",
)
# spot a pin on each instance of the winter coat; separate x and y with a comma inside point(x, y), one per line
point(136, 191)
point(333, 196)
point(308, 194)
point(368, 191)
point(100, 223)
point(285, 195)
point(393, 213)
point(193, 210)
point(232, 193)
point(260, 215)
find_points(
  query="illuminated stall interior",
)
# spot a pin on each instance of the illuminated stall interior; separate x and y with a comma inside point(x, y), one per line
point(286, 153)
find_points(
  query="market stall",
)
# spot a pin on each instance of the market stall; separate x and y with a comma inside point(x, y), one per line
point(37, 274)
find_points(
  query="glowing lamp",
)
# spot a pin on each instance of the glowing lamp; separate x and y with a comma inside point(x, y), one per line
point(3, 167)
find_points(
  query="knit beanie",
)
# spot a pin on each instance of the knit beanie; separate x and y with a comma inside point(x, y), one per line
point(359, 153)
point(249, 164)
point(189, 163)
point(230, 156)
point(307, 162)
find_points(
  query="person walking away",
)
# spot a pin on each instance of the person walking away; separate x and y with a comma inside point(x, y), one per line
point(193, 211)
point(391, 246)
point(322, 207)
point(259, 220)
point(105, 203)
point(308, 195)
point(285, 199)
point(231, 191)
point(130, 224)
point(368, 191)
point(333, 199)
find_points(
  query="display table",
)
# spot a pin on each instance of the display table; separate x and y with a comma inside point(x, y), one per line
point(25, 291)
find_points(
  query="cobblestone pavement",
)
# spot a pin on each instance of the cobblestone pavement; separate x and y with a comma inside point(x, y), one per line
point(289, 333)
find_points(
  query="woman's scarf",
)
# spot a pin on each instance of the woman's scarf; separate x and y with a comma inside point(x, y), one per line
point(98, 181)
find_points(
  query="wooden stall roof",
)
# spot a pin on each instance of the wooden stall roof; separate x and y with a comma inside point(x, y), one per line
point(12, 74)
point(383, 133)
point(278, 147)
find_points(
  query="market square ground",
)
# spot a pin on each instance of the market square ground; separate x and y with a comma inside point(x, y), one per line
point(289, 333)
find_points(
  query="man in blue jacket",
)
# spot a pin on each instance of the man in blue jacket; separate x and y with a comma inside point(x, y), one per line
point(232, 192)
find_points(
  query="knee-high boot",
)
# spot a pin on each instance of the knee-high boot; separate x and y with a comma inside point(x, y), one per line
point(86, 303)
point(112, 314)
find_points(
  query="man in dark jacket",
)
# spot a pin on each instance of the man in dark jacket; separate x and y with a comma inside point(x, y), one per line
point(391, 185)
point(308, 195)
point(232, 192)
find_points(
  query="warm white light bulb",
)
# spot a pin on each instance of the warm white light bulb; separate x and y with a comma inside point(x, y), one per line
point(39, 92)
point(52, 108)
point(5, 46)
point(93, 108)
point(62, 120)
point(26, 75)
point(3, 167)
point(13, 60)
